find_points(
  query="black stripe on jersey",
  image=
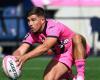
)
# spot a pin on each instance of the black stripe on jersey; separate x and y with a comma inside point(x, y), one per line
point(52, 36)
point(45, 27)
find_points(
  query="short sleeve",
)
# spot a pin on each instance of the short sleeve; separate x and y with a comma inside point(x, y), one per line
point(28, 39)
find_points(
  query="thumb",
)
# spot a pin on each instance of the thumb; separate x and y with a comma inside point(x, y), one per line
point(17, 58)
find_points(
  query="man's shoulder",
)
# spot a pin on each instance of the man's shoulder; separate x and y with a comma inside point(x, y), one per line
point(52, 21)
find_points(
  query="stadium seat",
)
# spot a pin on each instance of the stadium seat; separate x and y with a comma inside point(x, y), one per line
point(96, 43)
point(22, 30)
point(2, 33)
point(14, 30)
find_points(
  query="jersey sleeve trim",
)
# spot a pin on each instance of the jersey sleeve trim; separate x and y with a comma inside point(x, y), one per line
point(27, 43)
point(52, 36)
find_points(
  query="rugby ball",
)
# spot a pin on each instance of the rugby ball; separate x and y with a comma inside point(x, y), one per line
point(10, 67)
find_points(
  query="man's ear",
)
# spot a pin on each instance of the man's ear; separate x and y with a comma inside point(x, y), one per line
point(43, 19)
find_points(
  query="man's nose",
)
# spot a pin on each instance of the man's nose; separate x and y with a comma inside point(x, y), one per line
point(30, 23)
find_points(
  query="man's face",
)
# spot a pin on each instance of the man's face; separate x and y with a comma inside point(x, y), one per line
point(35, 23)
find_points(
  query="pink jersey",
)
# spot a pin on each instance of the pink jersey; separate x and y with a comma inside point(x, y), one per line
point(53, 29)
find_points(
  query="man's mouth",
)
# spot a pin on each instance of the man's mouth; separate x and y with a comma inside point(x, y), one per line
point(32, 30)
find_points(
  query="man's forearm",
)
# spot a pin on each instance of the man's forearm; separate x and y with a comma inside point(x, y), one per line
point(41, 49)
point(21, 50)
point(17, 53)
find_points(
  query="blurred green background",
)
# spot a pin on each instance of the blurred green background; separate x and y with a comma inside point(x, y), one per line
point(33, 69)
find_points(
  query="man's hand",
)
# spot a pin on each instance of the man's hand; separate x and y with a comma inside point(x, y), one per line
point(20, 60)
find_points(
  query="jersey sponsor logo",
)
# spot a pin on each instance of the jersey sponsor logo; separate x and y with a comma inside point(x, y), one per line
point(42, 37)
point(62, 45)
point(63, 42)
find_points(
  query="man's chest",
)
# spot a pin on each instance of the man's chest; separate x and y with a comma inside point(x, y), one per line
point(40, 38)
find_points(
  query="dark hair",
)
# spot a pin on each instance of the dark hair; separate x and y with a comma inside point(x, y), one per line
point(37, 11)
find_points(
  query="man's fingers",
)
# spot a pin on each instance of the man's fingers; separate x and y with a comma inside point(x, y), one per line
point(18, 62)
point(20, 66)
point(17, 58)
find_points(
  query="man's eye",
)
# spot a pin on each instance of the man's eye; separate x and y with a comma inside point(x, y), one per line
point(33, 19)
